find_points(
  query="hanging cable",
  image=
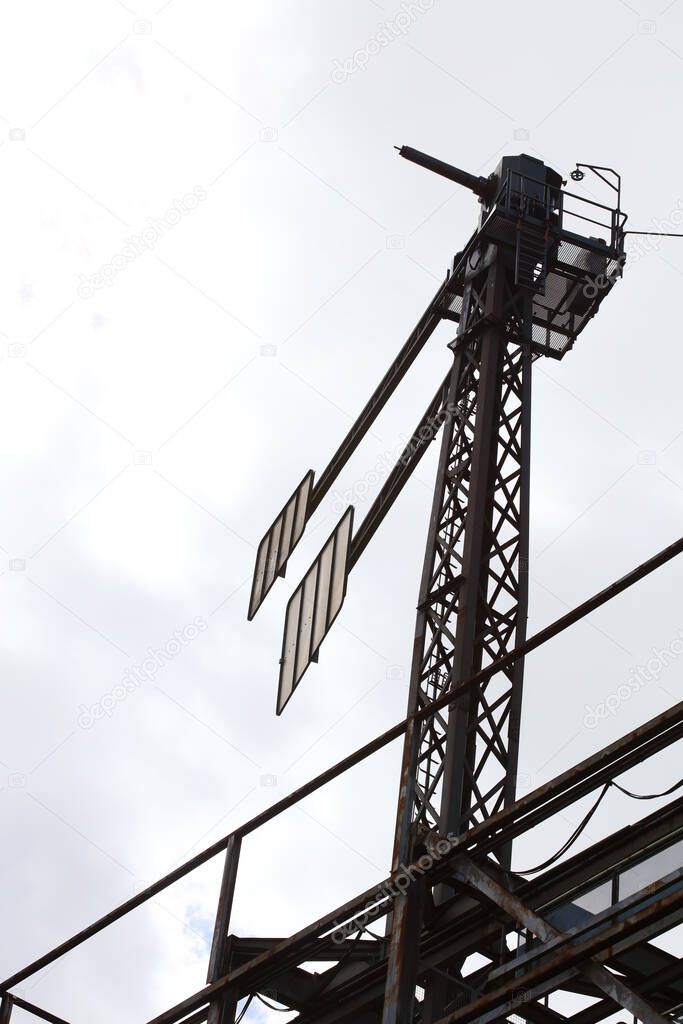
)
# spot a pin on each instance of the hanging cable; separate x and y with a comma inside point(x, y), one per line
point(244, 1010)
point(582, 825)
point(648, 796)
point(656, 234)
point(572, 839)
point(271, 1006)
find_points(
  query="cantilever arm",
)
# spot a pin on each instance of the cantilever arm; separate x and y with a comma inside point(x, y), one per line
point(318, 599)
point(286, 531)
point(424, 433)
point(482, 187)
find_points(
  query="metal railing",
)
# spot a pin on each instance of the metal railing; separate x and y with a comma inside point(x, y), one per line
point(527, 812)
point(531, 197)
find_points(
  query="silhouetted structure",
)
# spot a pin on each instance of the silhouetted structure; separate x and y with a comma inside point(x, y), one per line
point(466, 938)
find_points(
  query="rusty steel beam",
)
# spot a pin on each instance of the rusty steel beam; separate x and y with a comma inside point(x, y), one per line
point(564, 957)
point(37, 1011)
point(577, 781)
point(425, 432)
point(481, 882)
point(222, 1011)
point(302, 947)
point(416, 341)
point(647, 986)
point(401, 971)
point(455, 936)
point(465, 927)
point(593, 924)
point(622, 849)
point(674, 716)
point(659, 913)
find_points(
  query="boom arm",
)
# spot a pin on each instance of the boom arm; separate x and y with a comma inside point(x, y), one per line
point(287, 529)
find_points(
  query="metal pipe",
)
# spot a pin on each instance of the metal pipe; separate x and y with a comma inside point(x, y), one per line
point(482, 187)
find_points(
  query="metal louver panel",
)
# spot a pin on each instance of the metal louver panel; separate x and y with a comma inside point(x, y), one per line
point(279, 542)
point(313, 608)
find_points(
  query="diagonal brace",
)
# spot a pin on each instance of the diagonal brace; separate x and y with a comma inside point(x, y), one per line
point(425, 432)
point(476, 878)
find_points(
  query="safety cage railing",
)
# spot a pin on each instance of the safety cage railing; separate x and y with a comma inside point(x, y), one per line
point(566, 212)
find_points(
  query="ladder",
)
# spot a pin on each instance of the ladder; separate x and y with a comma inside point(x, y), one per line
point(531, 259)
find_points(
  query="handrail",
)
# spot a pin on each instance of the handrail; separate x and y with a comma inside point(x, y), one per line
point(446, 700)
point(553, 201)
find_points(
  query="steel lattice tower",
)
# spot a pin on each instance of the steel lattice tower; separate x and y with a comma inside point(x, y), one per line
point(459, 767)
point(473, 597)
point(460, 937)
point(523, 287)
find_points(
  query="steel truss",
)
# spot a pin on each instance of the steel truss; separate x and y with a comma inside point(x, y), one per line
point(571, 947)
point(473, 597)
point(517, 291)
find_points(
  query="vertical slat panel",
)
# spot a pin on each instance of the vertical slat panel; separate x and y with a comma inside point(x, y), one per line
point(313, 607)
point(289, 644)
point(303, 653)
point(339, 571)
point(279, 542)
point(302, 503)
point(286, 537)
point(320, 617)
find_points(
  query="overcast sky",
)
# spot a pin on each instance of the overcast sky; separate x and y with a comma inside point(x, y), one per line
point(157, 409)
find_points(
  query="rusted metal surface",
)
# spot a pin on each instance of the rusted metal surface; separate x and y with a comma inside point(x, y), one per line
point(474, 929)
point(302, 947)
point(668, 979)
point(660, 911)
point(535, 807)
point(401, 969)
point(590, 773)
point(219, 960)
point(557, 966)
point(475, 876)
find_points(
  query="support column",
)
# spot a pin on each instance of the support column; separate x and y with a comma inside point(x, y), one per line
point(223, 1009)
point(459, 768)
